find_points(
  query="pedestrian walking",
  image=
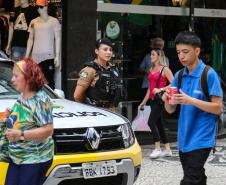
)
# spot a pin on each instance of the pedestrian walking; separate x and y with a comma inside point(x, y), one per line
point(146, 64)
point(29, 127)
point(198, 116)
point(158, 76)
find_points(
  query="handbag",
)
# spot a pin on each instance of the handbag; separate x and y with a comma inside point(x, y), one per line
point(140, 123)
point(158, 96)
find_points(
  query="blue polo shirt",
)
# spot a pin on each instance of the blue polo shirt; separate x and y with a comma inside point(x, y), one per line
point(197, 128)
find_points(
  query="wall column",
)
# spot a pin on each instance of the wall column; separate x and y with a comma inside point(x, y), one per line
point(78, 39)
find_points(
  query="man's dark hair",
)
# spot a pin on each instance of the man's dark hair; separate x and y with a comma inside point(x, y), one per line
point(188, 38)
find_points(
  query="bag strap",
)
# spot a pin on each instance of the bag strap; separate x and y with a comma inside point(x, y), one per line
point(180, 76)
point(159, 77)
point(204, 84)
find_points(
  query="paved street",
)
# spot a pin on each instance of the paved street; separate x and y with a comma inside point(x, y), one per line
point(168, 171)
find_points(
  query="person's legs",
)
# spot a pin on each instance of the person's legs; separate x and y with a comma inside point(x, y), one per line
point(193, 166)
point(152, 122)
point(33, 173)
point(183, 157)
point(161, 128)
point(163, 135)
point(12, 176)
point(48, 69)
point(43, 170)
point(153, 119)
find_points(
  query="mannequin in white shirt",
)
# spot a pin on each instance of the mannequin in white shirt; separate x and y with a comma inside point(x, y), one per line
point(44, 42)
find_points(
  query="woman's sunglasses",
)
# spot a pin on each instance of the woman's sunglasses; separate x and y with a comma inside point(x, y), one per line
point(41, 7)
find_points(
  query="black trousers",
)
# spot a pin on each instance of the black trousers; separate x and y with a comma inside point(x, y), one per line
point(48, 69)
point(27, 174)
point(193, 166)
point(156, 122)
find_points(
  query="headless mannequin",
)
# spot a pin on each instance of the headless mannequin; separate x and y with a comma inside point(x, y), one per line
point(57, 36)
point(20, 25)
point(44, 42)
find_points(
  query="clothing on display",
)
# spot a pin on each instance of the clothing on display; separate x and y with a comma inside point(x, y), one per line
point(44, 32)
point(44, 42)
point(21, 20)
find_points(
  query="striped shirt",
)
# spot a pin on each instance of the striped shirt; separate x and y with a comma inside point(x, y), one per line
point(26, 115)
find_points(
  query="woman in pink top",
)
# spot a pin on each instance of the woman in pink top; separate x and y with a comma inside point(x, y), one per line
point(158, 76)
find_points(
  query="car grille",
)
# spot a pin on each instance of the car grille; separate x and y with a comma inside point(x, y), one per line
point(69, 141)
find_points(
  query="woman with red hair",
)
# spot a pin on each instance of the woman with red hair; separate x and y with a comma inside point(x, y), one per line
point(29, 127)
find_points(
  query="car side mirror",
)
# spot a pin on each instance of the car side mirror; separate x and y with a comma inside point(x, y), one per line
point(59, 93)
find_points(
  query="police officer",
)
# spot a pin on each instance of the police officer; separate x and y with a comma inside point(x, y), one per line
point(99, 82)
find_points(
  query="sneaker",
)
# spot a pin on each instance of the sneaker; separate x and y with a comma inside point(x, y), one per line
point(167, 153)
point(155, 154)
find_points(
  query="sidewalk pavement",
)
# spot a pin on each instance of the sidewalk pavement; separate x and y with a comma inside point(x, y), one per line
point(168, 171)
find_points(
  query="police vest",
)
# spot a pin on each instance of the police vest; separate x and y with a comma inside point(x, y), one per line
point(107, 85)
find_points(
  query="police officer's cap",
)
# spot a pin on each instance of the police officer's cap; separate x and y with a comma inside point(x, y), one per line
point(105, 41)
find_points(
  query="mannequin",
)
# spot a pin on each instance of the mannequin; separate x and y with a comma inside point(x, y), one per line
point(44, 42)
point(18, 35)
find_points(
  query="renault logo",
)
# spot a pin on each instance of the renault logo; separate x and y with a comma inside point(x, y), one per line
point(92, 138)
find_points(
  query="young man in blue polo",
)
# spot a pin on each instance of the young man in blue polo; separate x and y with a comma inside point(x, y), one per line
point(198, 116)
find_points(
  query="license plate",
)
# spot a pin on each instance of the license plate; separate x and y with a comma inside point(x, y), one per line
point(99, 169)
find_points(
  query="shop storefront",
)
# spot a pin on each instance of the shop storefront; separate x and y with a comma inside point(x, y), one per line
point(139, 21)
point(131, 24)
point(16, 16)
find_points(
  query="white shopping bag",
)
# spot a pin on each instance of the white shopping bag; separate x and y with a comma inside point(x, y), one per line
point(140, 123)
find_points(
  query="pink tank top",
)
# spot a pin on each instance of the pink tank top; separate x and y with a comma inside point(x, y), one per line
point(153, 78)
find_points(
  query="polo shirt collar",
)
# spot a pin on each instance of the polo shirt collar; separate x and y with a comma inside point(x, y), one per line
point(197, 71)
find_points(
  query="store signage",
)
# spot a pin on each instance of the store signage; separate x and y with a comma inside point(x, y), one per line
point(112, 30)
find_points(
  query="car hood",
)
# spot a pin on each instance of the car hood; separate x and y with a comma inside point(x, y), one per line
point(69, 114)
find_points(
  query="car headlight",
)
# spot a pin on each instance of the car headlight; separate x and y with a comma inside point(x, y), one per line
point(127, 134)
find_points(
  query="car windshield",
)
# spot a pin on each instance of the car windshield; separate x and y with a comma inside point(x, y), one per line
point(6, 89)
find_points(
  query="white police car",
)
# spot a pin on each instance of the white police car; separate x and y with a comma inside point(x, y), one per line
point(92, 146)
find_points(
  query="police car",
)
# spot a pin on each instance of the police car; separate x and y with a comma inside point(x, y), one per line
point(92, 146)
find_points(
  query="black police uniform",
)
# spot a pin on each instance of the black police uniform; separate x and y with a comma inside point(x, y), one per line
point(107, 91)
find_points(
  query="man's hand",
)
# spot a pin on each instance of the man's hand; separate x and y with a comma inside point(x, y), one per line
point(169, 108)
point(182, 98)
point(165, 96)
